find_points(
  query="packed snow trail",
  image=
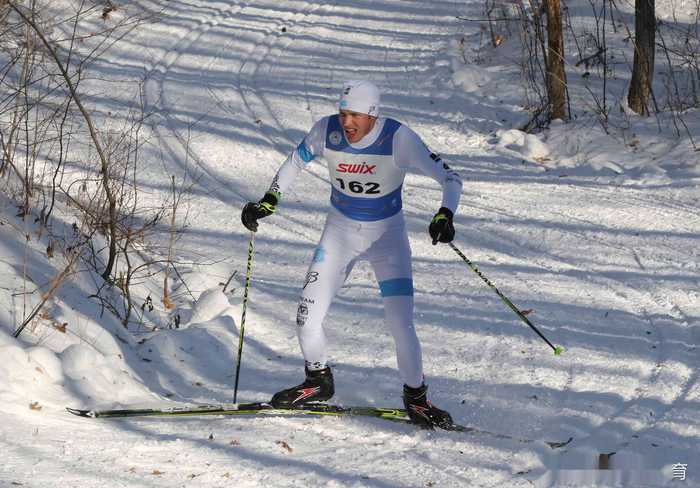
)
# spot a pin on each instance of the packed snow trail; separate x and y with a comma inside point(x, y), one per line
point(607, 264)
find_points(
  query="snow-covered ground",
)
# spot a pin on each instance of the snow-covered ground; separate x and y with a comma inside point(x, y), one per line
point(596, 233)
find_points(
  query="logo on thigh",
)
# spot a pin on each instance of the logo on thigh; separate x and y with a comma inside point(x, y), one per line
point(311, 277)
point(302, 314)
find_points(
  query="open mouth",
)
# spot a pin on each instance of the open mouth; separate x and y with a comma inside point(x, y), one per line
point(350, 133)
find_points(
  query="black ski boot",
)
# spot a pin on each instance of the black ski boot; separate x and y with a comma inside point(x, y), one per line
point(421, 411)
point(318, 387)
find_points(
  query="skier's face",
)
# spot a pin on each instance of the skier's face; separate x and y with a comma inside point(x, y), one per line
point(356, 125)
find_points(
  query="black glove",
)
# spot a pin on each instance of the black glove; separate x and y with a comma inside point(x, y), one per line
point(441, 228)
point(254, 211)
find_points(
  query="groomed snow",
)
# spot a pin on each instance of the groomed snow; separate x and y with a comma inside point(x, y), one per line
point(596, 234)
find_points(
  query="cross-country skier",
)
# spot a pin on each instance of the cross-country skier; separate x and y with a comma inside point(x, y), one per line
point(368, 157)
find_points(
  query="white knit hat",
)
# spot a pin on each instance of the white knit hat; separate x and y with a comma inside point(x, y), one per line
point(360, 96)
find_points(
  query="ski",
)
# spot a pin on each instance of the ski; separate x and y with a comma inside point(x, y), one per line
point(262, 408)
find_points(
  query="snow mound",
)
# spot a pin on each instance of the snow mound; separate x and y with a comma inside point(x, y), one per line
point(203, 350)
point(211, 303)
point(519, 144)
point(48, 362)
point(33, 378)
point(643, 151)
point(92, 376)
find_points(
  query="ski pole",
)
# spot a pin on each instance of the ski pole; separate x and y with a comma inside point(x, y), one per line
point(241, 331)
point(557, 349)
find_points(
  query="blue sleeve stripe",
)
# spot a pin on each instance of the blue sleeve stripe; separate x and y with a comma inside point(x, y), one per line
point(304, 152)
point(396, 287)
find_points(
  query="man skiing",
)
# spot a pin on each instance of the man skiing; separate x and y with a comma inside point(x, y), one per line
point(368, 157)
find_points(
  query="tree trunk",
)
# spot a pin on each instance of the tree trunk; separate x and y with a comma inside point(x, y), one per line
point(643, 68)
point(556, 75)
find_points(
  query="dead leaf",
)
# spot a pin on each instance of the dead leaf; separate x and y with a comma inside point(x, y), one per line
point(108, 10)
point(60, 327)
point(226, 475)
point(284, 445)
point(132, 469)
point(527, 312)
point(157, 472)
point(35, 406)
point(234, 443)
point(39, 370)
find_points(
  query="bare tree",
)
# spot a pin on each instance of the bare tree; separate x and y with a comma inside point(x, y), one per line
point(46, 120)
point(104, 161)
point(644, 50)
point(543, 62)
point(556, 74)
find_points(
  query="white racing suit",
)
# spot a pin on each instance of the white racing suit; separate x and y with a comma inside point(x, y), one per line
point(365, 222)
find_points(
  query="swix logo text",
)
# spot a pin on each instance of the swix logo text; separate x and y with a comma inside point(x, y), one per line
point(362, 169)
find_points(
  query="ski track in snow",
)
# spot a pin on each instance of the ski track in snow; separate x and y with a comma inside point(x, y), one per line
point(236, 52)
point(661, 382)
